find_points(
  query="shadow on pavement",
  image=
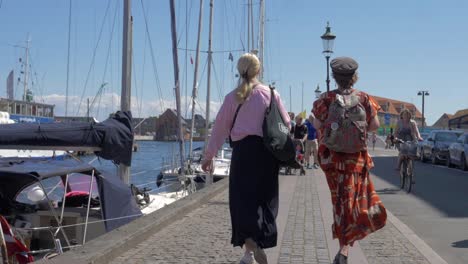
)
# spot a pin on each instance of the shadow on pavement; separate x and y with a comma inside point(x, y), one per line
point(460, 244)
point(441, 187)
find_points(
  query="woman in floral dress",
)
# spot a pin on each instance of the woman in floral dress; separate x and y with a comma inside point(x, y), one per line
point(357, 210)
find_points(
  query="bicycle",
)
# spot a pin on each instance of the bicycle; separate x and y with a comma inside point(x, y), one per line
point(407, 165)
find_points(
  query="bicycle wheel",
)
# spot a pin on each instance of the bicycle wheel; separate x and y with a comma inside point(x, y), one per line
point(403, 171)
point(409, 176)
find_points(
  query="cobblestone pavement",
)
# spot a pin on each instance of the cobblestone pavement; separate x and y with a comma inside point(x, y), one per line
point(390, 246)
point(304, 238)
point(203, 236)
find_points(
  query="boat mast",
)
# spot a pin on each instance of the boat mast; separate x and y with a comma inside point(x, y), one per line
point(26, 66)
point(209, 178)
point(248, 26)
point(261, 38)
point(195, 78)
point(125, 103)
point(177, 86)
point(252, 24)
point(68, 58)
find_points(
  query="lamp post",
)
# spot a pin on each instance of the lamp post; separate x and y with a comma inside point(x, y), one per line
point(423, 94)
point(328, 40)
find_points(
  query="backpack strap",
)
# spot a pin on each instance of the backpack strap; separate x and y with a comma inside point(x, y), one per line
point(272, 97)
point(233, 122)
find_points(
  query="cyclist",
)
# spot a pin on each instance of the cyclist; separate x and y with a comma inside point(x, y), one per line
point(406, 130)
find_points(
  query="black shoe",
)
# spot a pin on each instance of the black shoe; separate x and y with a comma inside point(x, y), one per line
point(340, 259)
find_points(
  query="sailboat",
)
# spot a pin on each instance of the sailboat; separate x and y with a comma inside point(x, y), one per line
point(49, 206)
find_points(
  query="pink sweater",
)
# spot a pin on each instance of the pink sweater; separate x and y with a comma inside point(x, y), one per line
point(249, 119)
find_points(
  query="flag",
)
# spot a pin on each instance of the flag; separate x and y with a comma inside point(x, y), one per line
point(191, 60)
point(303, 114)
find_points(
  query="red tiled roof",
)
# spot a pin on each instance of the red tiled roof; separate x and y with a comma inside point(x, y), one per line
point(395, 106)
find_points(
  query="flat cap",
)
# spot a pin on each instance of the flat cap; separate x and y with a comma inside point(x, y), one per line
point(344, 66)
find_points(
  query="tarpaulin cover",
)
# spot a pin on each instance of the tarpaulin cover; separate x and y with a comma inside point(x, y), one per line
point(119, 204)
point(114, 136)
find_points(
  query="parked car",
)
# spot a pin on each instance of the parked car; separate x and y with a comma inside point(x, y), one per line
point(436, 146)
point(458, 153)
point(424, 136)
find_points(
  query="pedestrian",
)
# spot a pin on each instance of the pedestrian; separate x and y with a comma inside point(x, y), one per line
point(311, 143)
point(299, 130)
point(253, 176)
point(388, 142)
point(344, 116)
point(293, 124)
point(374, 140)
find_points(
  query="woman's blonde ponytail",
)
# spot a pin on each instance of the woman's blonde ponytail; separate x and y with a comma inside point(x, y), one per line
point(248, 67)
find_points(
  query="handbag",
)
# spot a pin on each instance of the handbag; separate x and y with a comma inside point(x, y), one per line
point(276, 133)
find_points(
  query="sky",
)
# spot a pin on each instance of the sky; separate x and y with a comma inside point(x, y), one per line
point(402, 47)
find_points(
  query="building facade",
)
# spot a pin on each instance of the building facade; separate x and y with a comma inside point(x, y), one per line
point(442, 122)
point(389, 113)
point(459, 120)
point(145, 126)
point(166, 126)
point(27, 111)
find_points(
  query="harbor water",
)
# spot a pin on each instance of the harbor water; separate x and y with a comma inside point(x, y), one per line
point(147, 163)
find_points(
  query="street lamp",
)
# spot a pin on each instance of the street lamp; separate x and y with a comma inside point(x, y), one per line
point(423, 94)
point(328, 39)
point(317, 92)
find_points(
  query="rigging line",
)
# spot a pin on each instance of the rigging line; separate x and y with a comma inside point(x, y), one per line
point(221, 58)
point(218, 51)
point(217, 81)
point(227, 22)
point(143, 75)
point(153, 59)
point(135, 84)
point(107, 60)
point(181, 32)
point(187, 102)
point(186, 59)
point(94, 57)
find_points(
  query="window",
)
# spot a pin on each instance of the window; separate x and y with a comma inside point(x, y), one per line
point(34, 194)
point(77, 182)
point(446, 137)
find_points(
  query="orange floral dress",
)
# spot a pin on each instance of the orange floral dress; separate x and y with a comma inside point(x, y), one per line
point(357, 209)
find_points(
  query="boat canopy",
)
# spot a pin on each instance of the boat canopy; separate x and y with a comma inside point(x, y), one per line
point(118, 205)
point(111, 139)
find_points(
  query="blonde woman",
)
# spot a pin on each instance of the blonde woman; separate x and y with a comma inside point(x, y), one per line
point(253, 177)
point(406, 130)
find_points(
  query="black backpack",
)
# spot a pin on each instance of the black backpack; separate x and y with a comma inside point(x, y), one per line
point(276, 133)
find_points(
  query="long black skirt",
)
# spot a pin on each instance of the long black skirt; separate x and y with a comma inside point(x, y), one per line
point(253, 193)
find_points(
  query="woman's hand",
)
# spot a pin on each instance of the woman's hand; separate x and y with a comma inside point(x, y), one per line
point(207, 165)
